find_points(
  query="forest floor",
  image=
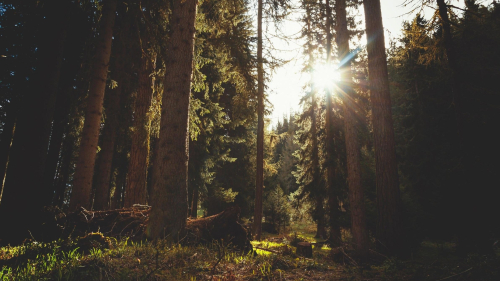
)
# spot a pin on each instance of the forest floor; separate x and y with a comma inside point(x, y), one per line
point(126, 260)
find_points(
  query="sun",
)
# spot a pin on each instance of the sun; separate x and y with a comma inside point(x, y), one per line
point(325, 76)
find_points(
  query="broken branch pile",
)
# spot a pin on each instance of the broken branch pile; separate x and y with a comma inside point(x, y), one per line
point(132, 223)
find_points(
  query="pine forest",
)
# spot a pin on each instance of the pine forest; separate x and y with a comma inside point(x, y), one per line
point(151, 140)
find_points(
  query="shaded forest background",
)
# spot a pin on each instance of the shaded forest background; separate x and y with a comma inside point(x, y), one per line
point(445, 110)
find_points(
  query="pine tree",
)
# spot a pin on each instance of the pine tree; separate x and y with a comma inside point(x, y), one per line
point(356, 194)
point(259, 182)
point(389, 232)
point(169, 180)
point(136, 187)
point(82, 185)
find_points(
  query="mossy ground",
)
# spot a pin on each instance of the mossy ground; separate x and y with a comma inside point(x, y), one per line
point(125, 260)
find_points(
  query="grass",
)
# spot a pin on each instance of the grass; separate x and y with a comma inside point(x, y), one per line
point(125, 260)
point(145, 261)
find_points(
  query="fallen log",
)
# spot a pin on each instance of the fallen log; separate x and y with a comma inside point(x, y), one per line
point(220, 227)
point(132, 223)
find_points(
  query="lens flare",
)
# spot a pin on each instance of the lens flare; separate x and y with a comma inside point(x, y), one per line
point(325, 76)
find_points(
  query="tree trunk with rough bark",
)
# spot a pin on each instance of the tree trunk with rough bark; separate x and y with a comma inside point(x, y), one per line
point(356, 194)
point(82, 184)
point(333, 203)
point(170, 170)
point(136, 189)
point(389, 231)
point(104, 163)
point(259, 182)
point(105, 160)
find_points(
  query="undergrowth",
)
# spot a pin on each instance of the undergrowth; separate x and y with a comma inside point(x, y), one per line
point(126, 260)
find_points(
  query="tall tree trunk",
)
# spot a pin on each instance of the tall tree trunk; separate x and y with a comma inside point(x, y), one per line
point(389, 232)
point(59, 125)
point(136, 190)
point(259, 182)
point(82, 184)
point(319, 209)
point(356, 197)
point(333, 202)
point(63, 172)
point(320, 218)
point(104, 162)
point(5, 142)
point(22, 190)
point(169, 208)
point(64, 169)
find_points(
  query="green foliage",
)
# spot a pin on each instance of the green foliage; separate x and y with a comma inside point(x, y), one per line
point(221, 105)
point(432, 160)
point(40, 261)
point(277, 208)
point(126, 260)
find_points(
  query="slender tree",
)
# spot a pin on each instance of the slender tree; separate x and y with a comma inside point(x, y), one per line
point(136, 190)
point(333, 202)
point(104, 162)
point(259, 182)
point(315, 186)
point(356, 195)
point(169, 180)
point(82, 184)
point(389, 232)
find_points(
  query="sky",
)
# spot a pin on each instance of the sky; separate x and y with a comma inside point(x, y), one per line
point(286, 84)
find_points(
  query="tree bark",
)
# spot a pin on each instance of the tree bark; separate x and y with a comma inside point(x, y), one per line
point(356, 194)
point(333, 203)
point(136, 190)
point(82, 184)
point(170, 170)
point(320, 218)
point(104, 163)
point(259, 182)
point(105, 160)
point(389, 233)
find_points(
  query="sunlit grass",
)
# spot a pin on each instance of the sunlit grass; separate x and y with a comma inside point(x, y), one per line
point(126, 260)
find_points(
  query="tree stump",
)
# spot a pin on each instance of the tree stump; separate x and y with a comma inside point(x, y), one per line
point(304, 249)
